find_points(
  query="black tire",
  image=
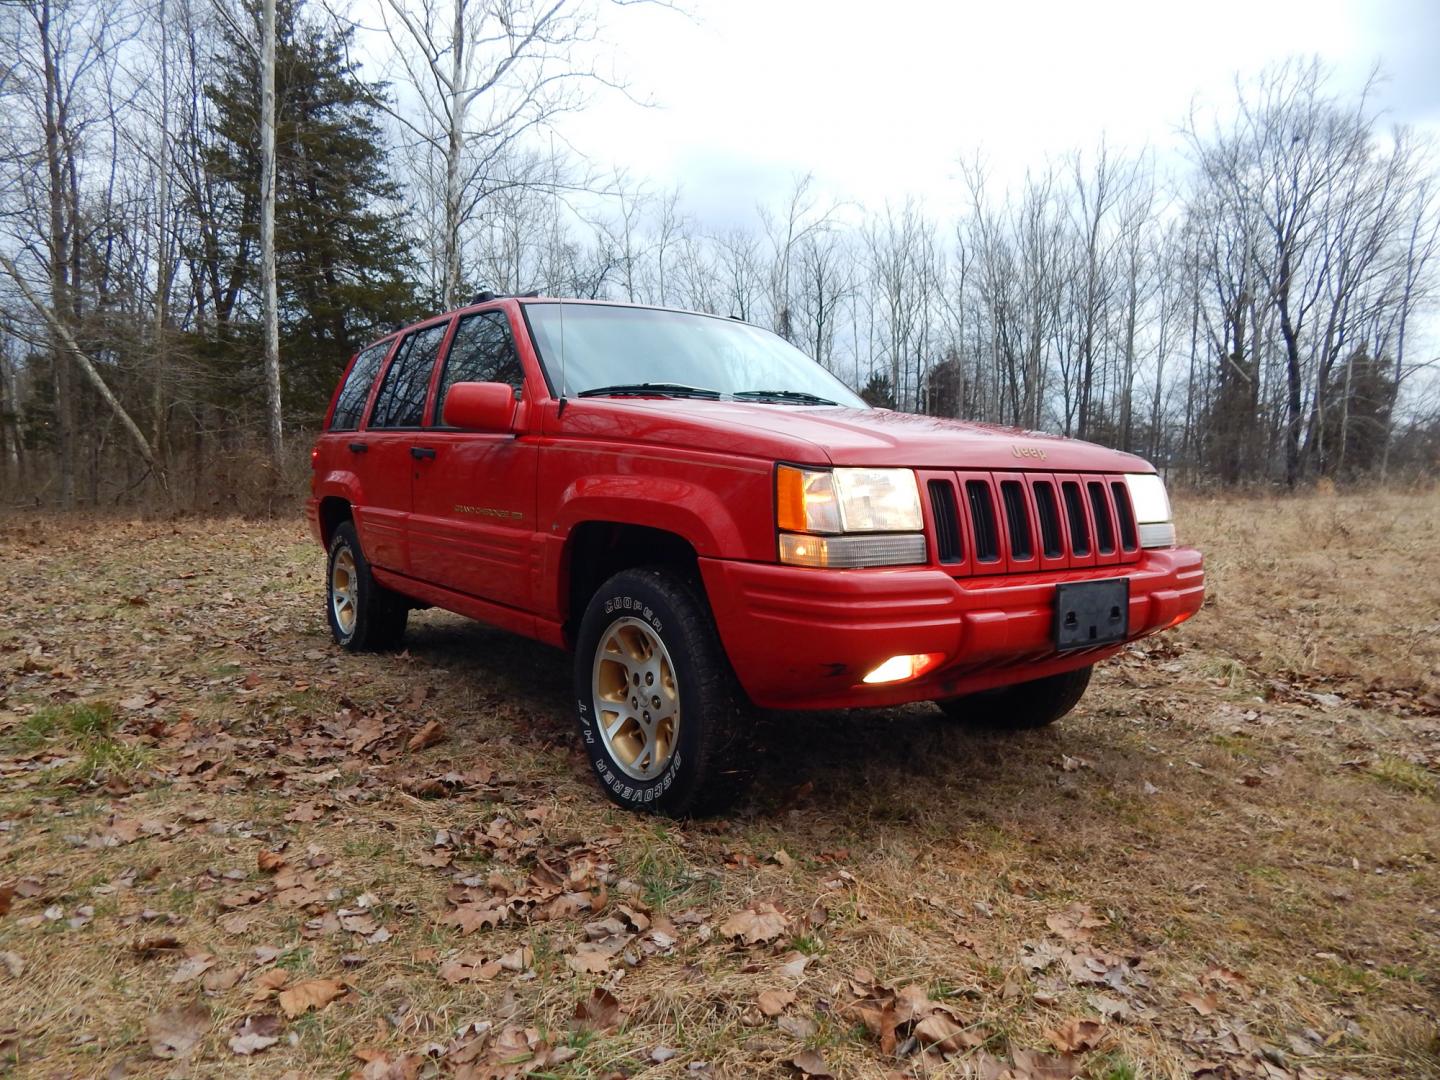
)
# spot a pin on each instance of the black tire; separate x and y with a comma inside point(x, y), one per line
point(379, 614)
point(1021, 707)
point(708, 765)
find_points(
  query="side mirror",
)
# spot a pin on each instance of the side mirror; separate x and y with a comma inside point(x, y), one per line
point(480, 406)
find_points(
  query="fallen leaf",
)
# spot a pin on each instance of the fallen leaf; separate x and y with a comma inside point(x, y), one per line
point(176, 1033)
point(218, 980)
point(1075, 1035)
point(1075, 923)
point(153, 946)
point(267, 982)
point(14, 963)
point(1033, 1065)
point(810, 1063)
point(7, 896)
point(599, 1012)
point(469, 968)
point(433, 732)
point(762, 923)
point(270, 862)
point(256, 1033)
point(192, 967)
point(801, 1027)
point(774, 1002)
point(1204, 1004)
point(310, 994)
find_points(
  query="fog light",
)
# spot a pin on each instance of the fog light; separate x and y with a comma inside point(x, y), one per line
point(900, 668)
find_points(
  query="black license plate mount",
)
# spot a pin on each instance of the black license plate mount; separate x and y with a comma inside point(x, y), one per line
point(1090, 613)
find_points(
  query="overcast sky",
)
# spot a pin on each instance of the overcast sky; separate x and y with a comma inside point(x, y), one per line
point(880, 99)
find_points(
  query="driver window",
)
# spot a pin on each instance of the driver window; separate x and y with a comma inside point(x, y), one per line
point(481, 351)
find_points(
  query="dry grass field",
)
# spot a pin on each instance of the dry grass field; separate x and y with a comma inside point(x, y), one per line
point(229, 849)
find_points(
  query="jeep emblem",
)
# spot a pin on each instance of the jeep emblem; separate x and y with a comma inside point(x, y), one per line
point(1033, 452)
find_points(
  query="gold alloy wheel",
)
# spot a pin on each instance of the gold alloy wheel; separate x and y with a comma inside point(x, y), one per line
point(344, 598)
point(637, 699)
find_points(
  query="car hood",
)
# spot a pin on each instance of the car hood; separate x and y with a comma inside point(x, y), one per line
point(837, 435)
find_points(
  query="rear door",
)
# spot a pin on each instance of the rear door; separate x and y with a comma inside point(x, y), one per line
point(343, 448)
point(393, 451)
point(474, 502)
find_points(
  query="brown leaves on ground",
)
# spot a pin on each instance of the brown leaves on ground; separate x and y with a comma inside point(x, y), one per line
point(756, 925)
point(1076, 1036)
point(599, 1012)
point(890, 1015)
point(432, 734)
point(255, 1033)
point(274, 820)
point(310, 994)
point(176, 1033)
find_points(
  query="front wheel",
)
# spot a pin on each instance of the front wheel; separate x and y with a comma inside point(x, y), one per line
point(664, 725)
point(1021, 707)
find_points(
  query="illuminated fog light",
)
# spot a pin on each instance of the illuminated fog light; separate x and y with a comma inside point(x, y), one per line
point(900, 668)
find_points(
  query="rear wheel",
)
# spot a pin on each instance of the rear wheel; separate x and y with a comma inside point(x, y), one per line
point(664, 724)
point(1021, 707)
point(363, 614)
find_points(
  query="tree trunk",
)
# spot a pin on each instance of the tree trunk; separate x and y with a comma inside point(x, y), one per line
point(269, 293)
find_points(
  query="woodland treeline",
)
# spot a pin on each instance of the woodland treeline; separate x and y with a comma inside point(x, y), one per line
point(1254, 304)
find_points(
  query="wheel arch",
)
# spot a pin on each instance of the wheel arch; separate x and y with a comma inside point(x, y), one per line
point(596, 550)
point(334, 510)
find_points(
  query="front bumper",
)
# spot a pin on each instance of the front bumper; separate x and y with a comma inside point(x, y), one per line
point(804, 639)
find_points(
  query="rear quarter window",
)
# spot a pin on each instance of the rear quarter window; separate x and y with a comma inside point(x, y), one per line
point(351, 402)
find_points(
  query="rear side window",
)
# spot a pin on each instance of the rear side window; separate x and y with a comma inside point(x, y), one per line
point(401, 402)
point(481, 351)
point(351, 402)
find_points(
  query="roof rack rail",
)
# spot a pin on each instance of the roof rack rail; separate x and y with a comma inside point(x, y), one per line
point(484, 296)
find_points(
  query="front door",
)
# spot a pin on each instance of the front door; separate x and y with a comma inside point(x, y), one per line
point(392, 441)
point(474, 500)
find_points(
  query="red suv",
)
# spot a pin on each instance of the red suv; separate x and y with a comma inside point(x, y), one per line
point(712, 522)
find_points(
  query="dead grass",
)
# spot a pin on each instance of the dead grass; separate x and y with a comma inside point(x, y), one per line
point(1246, 807)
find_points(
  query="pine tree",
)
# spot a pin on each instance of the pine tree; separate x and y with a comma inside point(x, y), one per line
point(344, 264)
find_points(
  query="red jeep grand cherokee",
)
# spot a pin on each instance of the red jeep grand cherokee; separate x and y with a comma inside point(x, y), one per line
point(711, 521)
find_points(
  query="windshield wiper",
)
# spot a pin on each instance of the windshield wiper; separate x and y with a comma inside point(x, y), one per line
point(798, 397)
point(650, 389)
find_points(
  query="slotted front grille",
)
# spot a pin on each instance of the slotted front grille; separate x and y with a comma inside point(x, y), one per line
point(982, 521)
point(947, 521)
point(1048, 511)
point(1023, 522)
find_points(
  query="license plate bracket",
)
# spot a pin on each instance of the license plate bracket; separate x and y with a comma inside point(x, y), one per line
point(1090, 613)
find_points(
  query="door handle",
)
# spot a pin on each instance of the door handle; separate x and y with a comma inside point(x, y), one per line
point(359, 447)
point(418, 452)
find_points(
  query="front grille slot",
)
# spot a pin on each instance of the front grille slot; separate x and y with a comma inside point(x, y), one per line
point(947, 521)
point(1079, 524)
point(1126, 513)
point(1104, 527)
point(982, 521)
point(1049, 513)
point(1012, 493)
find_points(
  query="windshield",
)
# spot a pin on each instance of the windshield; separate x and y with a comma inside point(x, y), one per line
point(625, 348)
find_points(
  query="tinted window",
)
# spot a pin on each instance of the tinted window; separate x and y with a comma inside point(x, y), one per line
point(481, 351)
point(351, 402)
point(402, 395)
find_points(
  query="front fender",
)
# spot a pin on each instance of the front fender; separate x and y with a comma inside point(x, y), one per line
point(697, 514)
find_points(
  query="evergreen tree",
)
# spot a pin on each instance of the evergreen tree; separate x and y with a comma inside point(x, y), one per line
point(344, 265)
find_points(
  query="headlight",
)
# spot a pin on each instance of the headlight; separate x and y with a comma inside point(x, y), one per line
point(847, 500)
point(1152, 510)
point(829, 502)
